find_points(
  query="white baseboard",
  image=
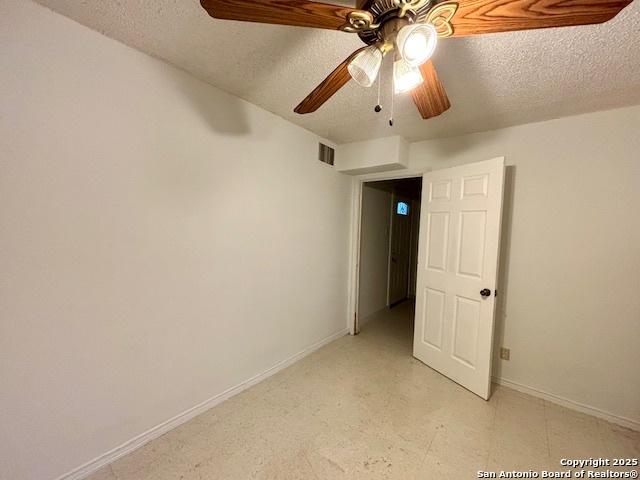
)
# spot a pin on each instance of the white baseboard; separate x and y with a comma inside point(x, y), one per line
point(573, 405)
point(137, 442)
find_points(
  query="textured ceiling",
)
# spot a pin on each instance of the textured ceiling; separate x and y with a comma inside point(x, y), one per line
point(493, 81)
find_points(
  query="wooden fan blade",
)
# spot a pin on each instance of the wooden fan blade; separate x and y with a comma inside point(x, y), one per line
point(299, 13)
point(363, 4)
point(488, 16)
point(330, 85)
point(429, 96)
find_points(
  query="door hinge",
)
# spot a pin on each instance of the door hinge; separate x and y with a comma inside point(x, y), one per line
point(495, 293)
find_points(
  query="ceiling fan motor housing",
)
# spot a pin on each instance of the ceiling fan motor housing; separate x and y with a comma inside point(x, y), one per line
point(384, 11)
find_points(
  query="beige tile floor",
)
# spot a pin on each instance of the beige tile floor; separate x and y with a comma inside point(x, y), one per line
point(363, 408)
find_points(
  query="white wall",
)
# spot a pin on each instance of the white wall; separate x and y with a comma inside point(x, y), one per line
point(379, 154)
point(160, 242)
point(374, 251)
point(571, 259)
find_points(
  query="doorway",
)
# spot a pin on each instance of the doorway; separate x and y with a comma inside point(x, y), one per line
point(456, 282)
point(390, 223)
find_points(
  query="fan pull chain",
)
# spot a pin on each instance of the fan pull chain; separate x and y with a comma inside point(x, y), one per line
point(378, 107)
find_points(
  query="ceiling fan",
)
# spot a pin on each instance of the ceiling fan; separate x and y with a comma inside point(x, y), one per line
point(409, 29)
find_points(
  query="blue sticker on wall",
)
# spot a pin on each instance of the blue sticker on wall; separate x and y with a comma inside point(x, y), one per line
point(402, 209)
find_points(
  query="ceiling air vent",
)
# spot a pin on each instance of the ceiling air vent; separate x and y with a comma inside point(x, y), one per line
point(326, 153)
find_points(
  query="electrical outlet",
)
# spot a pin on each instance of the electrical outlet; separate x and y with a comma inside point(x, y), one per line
point(505, 353)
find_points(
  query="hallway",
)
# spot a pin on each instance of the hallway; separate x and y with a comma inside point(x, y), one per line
point(391, 326)
point(364, 408)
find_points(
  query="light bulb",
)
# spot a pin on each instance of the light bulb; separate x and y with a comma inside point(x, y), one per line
point(365, 66)
point(416, 43)
point(414, 46)
point(405, 76)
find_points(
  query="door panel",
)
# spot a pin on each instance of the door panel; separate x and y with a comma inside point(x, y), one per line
point(475, 186)
point(457, 258)
point(434, 318)
point(471, 243)
point(440, 190)
point(466, 323)
point(399, 250)
point(438, 240)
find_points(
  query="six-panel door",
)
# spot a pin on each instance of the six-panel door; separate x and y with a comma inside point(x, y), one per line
point(458, 258)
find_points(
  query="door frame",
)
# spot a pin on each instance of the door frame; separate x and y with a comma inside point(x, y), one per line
point(355, 233)
point(357, 184)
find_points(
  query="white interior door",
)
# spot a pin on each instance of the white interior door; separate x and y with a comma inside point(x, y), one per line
point(457, 271)
point(399, 250)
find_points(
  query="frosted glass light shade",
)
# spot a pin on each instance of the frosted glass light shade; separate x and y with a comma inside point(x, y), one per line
point(405, 76)
point(365, 66)
point(416, 43)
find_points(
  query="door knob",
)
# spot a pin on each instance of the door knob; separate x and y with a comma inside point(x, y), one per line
point(485, 292)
